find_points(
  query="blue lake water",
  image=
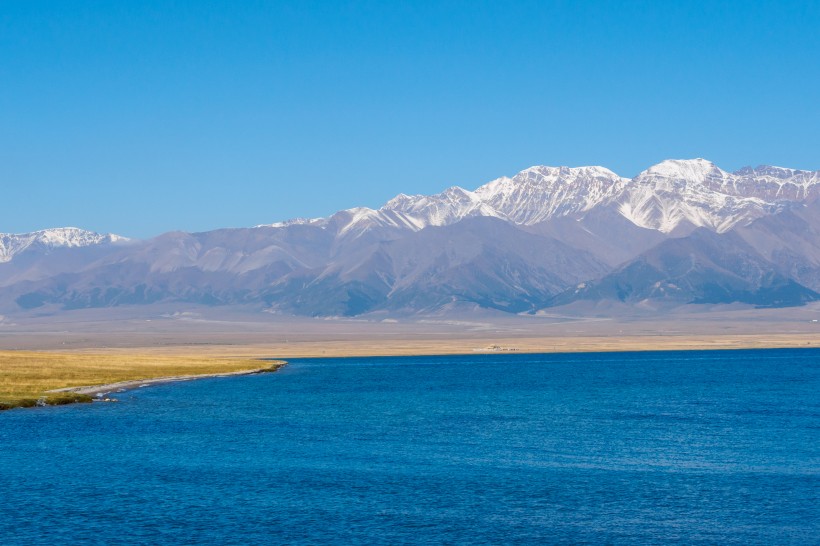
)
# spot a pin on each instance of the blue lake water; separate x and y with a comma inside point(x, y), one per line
point(689, 447)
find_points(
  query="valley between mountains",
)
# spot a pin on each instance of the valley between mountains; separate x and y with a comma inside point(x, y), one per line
point(549, 239)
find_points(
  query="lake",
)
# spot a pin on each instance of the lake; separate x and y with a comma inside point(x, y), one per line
point(621, 448)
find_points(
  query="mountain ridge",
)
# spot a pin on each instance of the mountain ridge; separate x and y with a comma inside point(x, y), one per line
point(660, 197)
point(516, 244)
point(15, 243)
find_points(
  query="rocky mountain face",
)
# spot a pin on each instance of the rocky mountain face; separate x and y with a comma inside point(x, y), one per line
point(681, 232)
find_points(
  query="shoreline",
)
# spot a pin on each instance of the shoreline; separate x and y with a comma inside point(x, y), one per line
point(135, 353)
point(122, 386)
point(38, 379)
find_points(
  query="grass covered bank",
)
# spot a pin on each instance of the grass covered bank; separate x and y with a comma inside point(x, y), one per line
point(27, 377)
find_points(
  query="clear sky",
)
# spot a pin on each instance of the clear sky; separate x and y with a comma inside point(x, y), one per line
point(144, 117)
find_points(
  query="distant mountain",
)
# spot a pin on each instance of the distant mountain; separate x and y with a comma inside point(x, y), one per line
point(662, 197)
point(681, 232)
point(703, 267)
point(483, 261)
point(49, 239)
point(790, 240)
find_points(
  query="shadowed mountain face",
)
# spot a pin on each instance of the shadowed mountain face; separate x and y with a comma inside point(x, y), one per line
point(681, 232)
point(703, 267)
point(482, 261)
point(791, 241)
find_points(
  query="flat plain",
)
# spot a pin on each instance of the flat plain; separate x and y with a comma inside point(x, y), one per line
point(94, 347)
point(225, 332)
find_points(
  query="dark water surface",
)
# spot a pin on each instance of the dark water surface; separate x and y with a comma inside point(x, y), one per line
point(690, 447)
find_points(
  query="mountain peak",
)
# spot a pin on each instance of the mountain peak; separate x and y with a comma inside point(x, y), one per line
point(564, 173)
point(14, 243)
point(690, 169)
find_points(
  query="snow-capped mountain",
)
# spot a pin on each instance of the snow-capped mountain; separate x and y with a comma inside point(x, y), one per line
point(680, 232)
point(538, 194)
point(12, 244)
point(694, 192)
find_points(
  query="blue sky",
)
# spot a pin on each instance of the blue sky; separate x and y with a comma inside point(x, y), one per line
point(144, 117)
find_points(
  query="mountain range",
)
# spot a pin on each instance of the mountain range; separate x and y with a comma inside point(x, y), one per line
point(683, 232)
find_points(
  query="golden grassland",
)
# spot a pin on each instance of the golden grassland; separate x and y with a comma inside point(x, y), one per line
point(26, 377)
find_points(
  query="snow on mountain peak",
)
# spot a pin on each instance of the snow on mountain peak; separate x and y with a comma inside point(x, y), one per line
point(539, 193)
point(694, 191)
point(12, 244)
point(292, 222)
point(533, 195)
point(660, 198)
point(778, 183)
point(775, 172)
point(689, 169)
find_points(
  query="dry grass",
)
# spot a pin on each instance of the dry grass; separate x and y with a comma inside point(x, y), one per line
point(26, 376)
point(317, 347)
